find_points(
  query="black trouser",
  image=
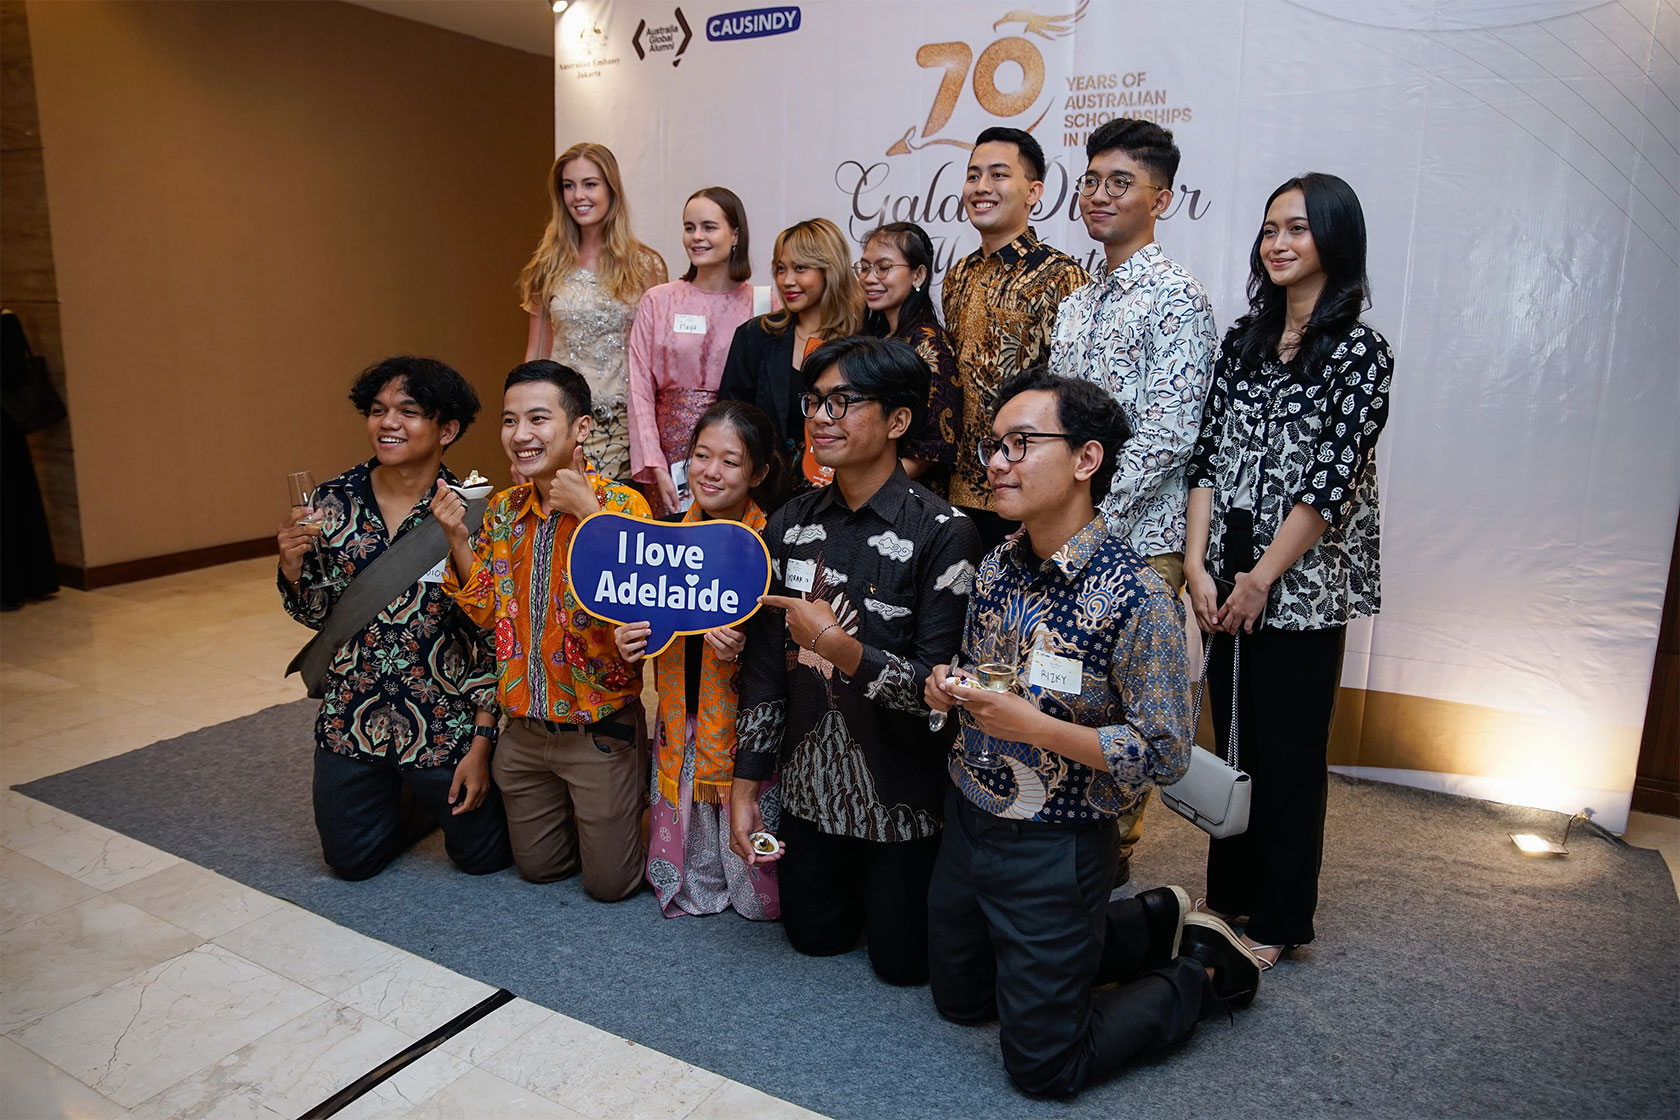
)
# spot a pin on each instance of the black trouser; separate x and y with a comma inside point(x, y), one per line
point(369, 810)
point(834, 888)
point(1286, 698)
point(1022, 928)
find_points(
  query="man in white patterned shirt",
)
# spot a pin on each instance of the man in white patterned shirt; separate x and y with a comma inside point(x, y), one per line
point(1143, 330)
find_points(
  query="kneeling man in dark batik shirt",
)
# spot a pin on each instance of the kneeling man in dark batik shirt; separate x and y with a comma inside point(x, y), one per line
point(1020, 921)
point(869, 579)
point(408, 720)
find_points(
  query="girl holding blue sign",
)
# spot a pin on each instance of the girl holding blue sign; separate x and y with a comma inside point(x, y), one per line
point(732, 457)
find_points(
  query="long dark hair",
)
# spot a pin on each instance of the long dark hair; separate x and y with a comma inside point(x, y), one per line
point(913, 242)
point(1338, 231)
point(758, 436)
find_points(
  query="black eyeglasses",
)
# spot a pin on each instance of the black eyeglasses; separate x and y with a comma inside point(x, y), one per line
point(1115, 185)
point(1013, 445)
point(835, 403)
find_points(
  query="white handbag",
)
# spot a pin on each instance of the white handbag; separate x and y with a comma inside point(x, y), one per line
point(1213, 794)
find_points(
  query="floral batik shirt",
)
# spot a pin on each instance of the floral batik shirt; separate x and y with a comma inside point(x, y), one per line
point(556, 661)
point(1145, 333)
point(856, 755)
point(407, 688)
point(1310, 439)
point(1000, 311)
point(1094, 602)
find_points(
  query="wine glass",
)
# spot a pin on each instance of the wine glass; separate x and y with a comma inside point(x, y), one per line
point(300, 486)
point(994, 662)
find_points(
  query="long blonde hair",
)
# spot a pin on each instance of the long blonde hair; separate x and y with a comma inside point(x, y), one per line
point(818, 243)
point(627, 268)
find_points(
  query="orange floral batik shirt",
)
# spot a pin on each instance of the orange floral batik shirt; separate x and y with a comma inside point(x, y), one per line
point(554, 660)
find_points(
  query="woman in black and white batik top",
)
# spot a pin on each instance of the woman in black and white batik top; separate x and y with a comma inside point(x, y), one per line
point(1283, 534)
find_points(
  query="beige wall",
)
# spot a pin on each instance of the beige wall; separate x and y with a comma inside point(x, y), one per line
point(249, 203)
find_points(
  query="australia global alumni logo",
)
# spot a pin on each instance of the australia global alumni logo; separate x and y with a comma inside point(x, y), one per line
point(662, 38)
point(754, 23)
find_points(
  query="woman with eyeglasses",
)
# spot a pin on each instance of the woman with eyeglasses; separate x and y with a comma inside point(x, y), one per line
point(581, 287)
point(681, 339)
point(896, 271)
point(1282, 545)
point(821, 300)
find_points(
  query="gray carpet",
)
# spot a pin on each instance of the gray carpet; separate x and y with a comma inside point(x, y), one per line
point(1452, 977)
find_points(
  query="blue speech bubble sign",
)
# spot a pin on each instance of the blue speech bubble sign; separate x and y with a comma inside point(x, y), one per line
point(683, 578)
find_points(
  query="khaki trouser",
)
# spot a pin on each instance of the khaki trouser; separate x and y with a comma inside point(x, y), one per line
point(575, 799)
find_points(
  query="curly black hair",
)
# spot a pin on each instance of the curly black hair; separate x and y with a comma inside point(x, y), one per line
point(442, 394)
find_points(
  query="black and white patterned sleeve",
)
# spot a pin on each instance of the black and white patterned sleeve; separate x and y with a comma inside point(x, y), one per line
point(895, 678)
point(763, 703)
point(1355, 412)
point(1200, 473)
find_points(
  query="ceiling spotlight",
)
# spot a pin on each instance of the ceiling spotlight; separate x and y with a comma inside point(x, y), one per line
point(559, 6)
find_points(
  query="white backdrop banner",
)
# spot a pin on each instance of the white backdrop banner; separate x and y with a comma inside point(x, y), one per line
point(1518, 166)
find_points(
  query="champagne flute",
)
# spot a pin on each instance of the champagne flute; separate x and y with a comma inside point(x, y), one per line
point(300, 485)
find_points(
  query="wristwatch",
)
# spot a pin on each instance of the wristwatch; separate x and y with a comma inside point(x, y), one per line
point(492, 733)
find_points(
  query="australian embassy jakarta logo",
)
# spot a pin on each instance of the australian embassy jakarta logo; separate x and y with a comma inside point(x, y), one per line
point(753, 24)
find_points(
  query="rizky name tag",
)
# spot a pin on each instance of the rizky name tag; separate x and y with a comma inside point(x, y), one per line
point(689, 324)
point(801, 575)
point(438, 573)
point(1058, 674)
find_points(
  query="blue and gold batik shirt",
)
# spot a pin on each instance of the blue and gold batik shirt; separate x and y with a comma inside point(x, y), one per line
point(1097, 603)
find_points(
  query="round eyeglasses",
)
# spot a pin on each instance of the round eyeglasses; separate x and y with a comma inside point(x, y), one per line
point(1114, 185)
point(835, 403)
point(1013, 445)
point(864, 269)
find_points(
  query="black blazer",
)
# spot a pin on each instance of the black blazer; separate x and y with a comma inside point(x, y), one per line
point(760, 370)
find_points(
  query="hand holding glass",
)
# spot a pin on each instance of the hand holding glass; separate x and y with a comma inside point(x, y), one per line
point(300, 486)
point(995, 660)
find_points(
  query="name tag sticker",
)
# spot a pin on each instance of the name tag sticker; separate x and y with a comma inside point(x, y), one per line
point(689, 324)
point(801, 575)
point(439, 572)
point(1058, 674)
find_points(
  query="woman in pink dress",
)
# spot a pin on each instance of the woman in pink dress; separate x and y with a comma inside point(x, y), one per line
point(690, 865)
point(681, 338)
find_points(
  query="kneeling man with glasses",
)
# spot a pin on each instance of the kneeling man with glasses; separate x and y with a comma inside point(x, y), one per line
point(1095, 714)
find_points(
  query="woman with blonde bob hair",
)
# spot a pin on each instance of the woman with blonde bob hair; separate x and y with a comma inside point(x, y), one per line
point(581, 287)
point(821, 301)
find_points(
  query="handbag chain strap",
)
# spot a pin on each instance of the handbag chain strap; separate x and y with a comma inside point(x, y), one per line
point(1201, 683)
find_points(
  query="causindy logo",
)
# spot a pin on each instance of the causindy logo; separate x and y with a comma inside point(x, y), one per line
point(662, 38)
point(753, 24)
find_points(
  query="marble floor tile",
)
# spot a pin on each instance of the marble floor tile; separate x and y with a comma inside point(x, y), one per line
point(286, 1072)
point(32, 1089)
point(172, 680)
point(20, 763)
point(404, 1091)
point(30, 890)
point(218, 705)
point(102, 859)
point(34, 716)
point(309, 949)
point(25, 821)
point(19, 684)
point(142, 1035)
point(733, 1100)
point(414, 996)
point(54, 961)
point(496, 1030)
point(601, 1075)
point(197, 899)
point(137, 726)
point(477, 1094)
